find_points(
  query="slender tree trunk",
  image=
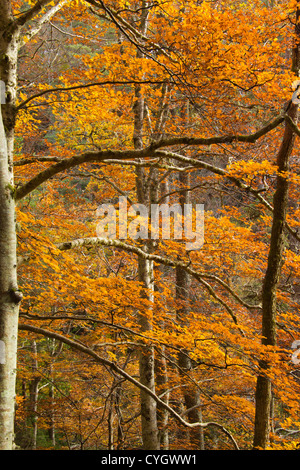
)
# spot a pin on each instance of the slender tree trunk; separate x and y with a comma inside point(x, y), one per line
point(9, 296)
point(52, 415)
point(110, 420)
point(161, 370)
point(263, 395)
point(146, 276)
point(118, 410)
point(56, 349)
point(161, 377)
point(9, 300)
point(146, 365)
point(190, 393)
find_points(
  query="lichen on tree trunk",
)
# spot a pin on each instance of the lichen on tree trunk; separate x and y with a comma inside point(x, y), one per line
point(263, 395)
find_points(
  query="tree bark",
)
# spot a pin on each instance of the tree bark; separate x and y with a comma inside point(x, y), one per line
point(147, 363)
point(263, 394)
point(146, 276)
point(161, 369)
point(9, 294)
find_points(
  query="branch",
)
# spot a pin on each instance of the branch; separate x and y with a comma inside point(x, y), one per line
point(293, 125)
point(220, 171)
point(30, 161)
point(115, 326)
point(86, 350)
point(77, 36)
point(86, 318)
point(226, 139)
point(108, 181)
point(77, 160)
point(32, 12)
point(132, 34)
point(127, 28)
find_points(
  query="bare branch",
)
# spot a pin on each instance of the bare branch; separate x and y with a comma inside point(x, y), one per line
point(30, 161)
point(106, 180)
point(77, 160)
point(32, 12)
point(226, 139)
point(293, 125)
point(138, 154)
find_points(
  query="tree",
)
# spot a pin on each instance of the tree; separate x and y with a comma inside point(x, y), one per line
point(275, 260)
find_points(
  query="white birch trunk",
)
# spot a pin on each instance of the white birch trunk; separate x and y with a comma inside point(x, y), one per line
point(146, 367)
point(9, 298)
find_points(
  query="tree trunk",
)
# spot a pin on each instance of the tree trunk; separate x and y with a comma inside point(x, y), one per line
point(161, 378)
point(110, 422)
point(9, 299)
point(9, 294)
point(190, 394)
point(161, 369)
point(33, 398)
point(146, 276)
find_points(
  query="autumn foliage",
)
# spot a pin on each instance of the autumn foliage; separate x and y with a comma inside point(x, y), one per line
point(104, 80)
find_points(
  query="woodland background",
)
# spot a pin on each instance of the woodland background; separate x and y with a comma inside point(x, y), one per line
point(132, 344)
